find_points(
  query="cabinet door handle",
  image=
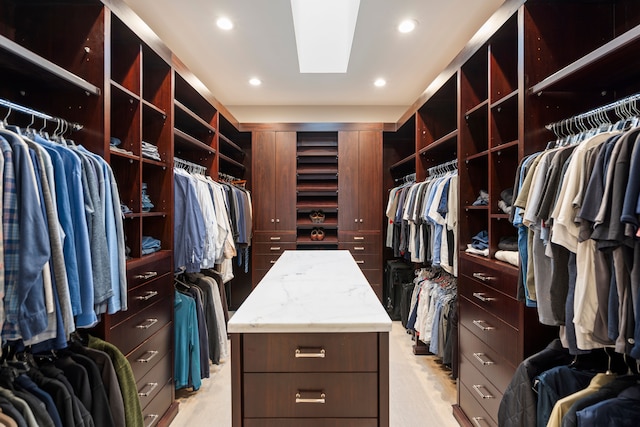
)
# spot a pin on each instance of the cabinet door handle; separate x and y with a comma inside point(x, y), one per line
point(481, 297)
point(483, 325)
point(274, 248)
point(358, 248)
point(361, 220)
point(310, 353)
point(485, 362)
point(146, 275)
point(360, 261)
point(153, 417)
point(358, 237)
point(483, 277)
point(273, 220)
point(150, 388)
point(476, 421)
point(320, 399)
point(355, 220)
point(147, 295)
point(277, 219)
point(477, 387)
point(151, 354)
point(276, 238)
point(147, 324)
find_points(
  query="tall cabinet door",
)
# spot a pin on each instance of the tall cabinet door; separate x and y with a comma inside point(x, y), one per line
point(284, 170)
point(370, 181)
point(348, 171)
point(264, 180)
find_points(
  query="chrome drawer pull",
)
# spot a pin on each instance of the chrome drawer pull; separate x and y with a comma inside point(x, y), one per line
point(316, 353)
point(151, 353)
point(274, 238)
point(480, 393)
point(358, 238)
point(476, 421)
point(274, 248)
point(361, 261)
point(483, 277)
point(152, 386)
point(479, 358)
point(483, 325)
point(147, 324)
point(153, 417)
point(300, 399)
point(146, 275)
point(147, 295)
point(481, 297)
point(358, 248)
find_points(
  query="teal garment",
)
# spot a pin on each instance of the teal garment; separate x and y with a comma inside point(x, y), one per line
point(187, 343)
point(132, 409)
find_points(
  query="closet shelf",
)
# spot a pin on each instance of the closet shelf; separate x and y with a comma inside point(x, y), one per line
point(154, 162)
point(131, 157)
point(506, 98)
point(611, 58)
point(476, 208)
point(498, 148)
point(231, 161)
point(124, 90)
point(317, 187)
point(317, 153)
point(147, 259)
point(307, 223)
point(477, 108)
point(407, 161)
point(181, 107)
point(499, 216)
point(443, 142)
point(476, 156)
point(230, 143)
point(158, 110)
point(187, 139)
point(317, 204)
point(306, 170)
point(43, 64)
point(328, 240)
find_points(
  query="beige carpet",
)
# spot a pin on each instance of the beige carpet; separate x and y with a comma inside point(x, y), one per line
point(421, 391)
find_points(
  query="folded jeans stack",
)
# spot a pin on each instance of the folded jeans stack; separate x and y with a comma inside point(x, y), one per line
point(150, 151)
point(150, 245)
point(479, 244)
point(482, 200)
point(146, 201)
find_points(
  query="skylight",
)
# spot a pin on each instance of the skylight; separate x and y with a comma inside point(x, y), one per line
point(324, 33)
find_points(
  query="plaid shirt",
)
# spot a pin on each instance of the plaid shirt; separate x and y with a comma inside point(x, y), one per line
point(11, 235)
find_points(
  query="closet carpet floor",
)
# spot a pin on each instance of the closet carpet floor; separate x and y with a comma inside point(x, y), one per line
point(421, 391)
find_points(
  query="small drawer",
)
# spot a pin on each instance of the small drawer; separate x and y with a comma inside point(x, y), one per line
point(368, 261)
point(309, 422)
point(500, 277)
point(154, 411)
point(133, 331)
point(273, 237)
point(142, 270)
point(152, 383)
point(364, 247)
point(150, 352)
point(143, 296)
point(310, 352)
point(473, 410)
point(311, 395)
point(497, 303)
point(272, 248)
point(265, 262)
point(373, 238)
point(485, 393)
point(489, 329)
point(486, 360)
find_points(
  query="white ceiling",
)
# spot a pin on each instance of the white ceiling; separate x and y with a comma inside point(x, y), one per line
point(262, 44)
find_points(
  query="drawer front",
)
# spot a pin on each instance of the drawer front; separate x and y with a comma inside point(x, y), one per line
point(371, 238)
point(368, 261)
point(486, 360)
point(497, 303)
point(143, 296)
point(501, 278)
point(152, 413)
point(490, 330)
point(309, 422)
point(481, 389)
point(133, 331)
point(273, 237)
point(144, 270)
point(299, 395)
point(473, 410)
point(370, 247)
point(152, 383)
point(150, 352)
point(355, 352)
point(272, 248)
point(265, 262)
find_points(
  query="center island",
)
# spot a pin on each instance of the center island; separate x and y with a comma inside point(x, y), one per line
point(310, 347)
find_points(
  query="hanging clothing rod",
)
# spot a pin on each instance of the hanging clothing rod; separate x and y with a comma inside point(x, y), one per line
point(12, 106)
point(624, 108)
point(227, 177)
point(443, 167)
point(189, 166)
point(407, 178)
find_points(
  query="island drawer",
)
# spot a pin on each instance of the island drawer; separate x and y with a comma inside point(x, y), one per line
point(310, 352)
point(311, 395)
point(310, 422)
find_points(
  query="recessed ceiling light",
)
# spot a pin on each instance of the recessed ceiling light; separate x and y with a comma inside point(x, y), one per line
point(407, 25)
point(380, 82)
point(224, 23)
point(255, 81)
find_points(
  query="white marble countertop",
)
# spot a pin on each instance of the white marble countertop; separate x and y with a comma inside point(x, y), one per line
point(312, 291)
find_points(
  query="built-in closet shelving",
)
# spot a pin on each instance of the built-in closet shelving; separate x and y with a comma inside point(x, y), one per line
point(317, 188)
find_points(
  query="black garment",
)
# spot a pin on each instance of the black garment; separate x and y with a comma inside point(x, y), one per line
point(78, 378)
point(519, 403)
point(203, 333)
point(100, 409)
point(25, 383)
point(110, 382)
point(11, 411)
point(60, 396)
point(37, 407)
point(80, 414)
point(209, 315)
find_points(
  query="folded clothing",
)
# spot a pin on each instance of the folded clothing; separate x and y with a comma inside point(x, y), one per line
point(150, 245)
point(509, 243)
point(507, 196)
point(482, 200)
point(471, 250)
point(481, 240)
point(511, 257)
